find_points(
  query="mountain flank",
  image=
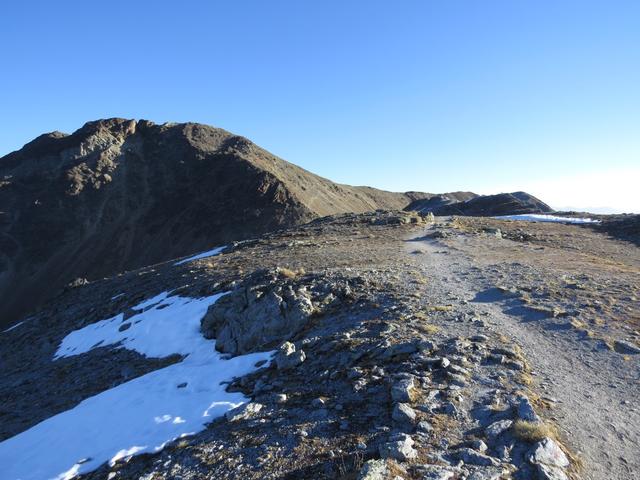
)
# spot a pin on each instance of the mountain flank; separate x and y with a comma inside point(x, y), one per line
point(121, 194)
point(469, 204)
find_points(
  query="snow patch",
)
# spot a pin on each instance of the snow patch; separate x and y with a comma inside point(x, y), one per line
point(141, 415)
point(209, 253)
point(532, 217)
point(13, 327)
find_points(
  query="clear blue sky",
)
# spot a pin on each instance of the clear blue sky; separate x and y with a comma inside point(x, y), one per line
point(408, 95)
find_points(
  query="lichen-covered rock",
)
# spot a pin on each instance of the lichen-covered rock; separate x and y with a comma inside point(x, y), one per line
point(258, 315)
point(373, 470)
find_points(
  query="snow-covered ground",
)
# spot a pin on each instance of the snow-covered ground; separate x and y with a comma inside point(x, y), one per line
point(141, 415)
point(209, 253)
point(12, 327)
point(532, 217)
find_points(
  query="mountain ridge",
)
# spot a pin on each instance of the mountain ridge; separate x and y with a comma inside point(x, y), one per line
point(120, 194)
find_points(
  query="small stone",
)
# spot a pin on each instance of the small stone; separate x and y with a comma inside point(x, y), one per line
point(526, 411)
point(399, 448)
point(457, 379)
point(373, 470)
point(403, 413)
point(548, 452)
point(243, 412)
point(435, 472)
point(497, 428)
point(622, 346)
point(472, 457)
point(401, 390)
point(424, 427)
point(280, 398)
point(450, 409)
point(287, 356)
point(479, 338)
point(445, 362)
point(317, 403)
point(490, 473)
point(478, 446)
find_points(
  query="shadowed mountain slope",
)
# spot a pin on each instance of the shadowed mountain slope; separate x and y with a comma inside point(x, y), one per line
point(120, 194)
point(515, 203)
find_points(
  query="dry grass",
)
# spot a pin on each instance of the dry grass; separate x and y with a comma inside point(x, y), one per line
point(440, 308)
point(524, 378)
point(428, 328)
point(533, 431)
point(578, 324)
point(288, 273)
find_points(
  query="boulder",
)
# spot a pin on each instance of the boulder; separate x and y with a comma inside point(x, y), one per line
point(548, 452)
point(257, 315)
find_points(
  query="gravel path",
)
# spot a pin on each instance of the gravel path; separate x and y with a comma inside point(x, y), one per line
point(595, 389)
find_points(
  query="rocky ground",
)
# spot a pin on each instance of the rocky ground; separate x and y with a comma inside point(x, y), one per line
point(460, 349)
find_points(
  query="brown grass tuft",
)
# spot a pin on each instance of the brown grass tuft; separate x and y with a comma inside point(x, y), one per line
point(533, 431)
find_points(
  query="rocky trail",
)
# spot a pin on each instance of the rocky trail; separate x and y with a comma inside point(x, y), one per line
point(591, 389)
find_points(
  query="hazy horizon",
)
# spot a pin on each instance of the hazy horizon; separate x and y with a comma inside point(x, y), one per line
point(431, 96)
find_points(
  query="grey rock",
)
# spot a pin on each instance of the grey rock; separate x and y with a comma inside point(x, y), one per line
point(497, 428)
point(287, 356)
point(399, 448)
point(490, 473)
point(403, 413)
point(467, 455)
point(400, 349)
point(526, 411)
point(243, 412)
point(478, 445)
point(257, 315)
point(317, 403)
point(622, 346)
point(457, 379)
point(479, 338)
point(280, 398)
point(401, 390)
point(424, 427)
point(548, 452)
point(445, 362)
point(373, 470)
point(549, 472)
point(436, 472)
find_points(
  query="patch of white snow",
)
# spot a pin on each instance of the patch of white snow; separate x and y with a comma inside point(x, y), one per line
point(141, 415)
point(209, 253)
point(12, 327)
point(533, 217)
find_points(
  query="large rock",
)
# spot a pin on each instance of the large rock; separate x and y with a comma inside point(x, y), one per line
point(400, 447)
point(548, 452)
point(258, 315)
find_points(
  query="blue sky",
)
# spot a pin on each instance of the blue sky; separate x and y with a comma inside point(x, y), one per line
point(411, 95)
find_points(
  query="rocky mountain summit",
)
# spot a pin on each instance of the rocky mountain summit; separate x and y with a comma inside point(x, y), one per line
point(120, 194)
